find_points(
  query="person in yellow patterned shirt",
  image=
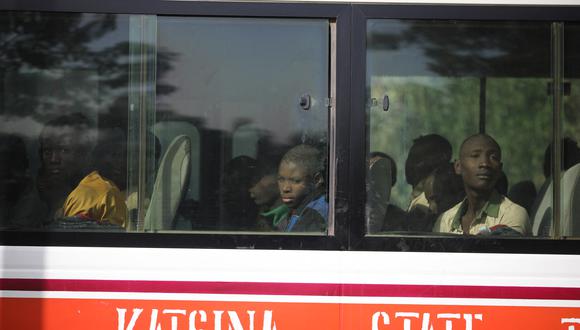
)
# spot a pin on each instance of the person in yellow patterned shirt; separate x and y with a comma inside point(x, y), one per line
point(98, 196)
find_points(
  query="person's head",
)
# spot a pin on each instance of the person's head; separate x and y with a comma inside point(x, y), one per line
point(301, 173)
point(236, 181)
point(443, 189)
point(426, 154)
point(13, 165)
point(64, 144)
point(570, 156)
point(479, 163)
point(264, 188)
point(110, 155)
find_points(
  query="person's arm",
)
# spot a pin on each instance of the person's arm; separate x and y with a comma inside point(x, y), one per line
point(113, 208)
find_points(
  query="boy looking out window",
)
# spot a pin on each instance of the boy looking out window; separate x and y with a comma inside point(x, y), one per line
point(301, 184)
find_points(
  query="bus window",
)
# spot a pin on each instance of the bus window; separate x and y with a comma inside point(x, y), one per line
point(255, 89)
point(64, 91)
point(198, 115)
point(433, 84)
point(245, 141)
point(570, 134)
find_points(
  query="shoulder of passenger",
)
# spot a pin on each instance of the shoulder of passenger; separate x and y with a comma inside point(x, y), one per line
point(514, 209)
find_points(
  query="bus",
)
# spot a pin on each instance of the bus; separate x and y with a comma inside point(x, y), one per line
point(159, 159)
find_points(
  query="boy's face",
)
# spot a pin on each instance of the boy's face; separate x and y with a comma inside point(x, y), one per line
point(294, 183)
point(59, 152)
point(479, 164)
point(265, 191)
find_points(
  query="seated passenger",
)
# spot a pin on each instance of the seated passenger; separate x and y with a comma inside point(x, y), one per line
point(237, 209)
point(264, 191)
point(19, 205)
point(64, 143)
point(97, 196)
point(301, 184)
point(426, 154)
point(381, 214)
point(484, 211)
point(570, 156)
point(443, 189)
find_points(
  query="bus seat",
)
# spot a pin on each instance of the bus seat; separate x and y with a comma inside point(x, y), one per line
point(524, 194)
point(169, 186)
point(378, 195)
point(570, 211)
point(541, 217)
point(571, 202)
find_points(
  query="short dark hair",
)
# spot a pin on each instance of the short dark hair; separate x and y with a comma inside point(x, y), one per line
point(265, 166)
point(306, 156)
point(426, 154)
point(448, 186)
point(14, 149)
point(570, 155)
point(483, 135)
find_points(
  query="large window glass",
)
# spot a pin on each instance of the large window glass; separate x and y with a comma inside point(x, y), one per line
point(255, 91)
point(63, 99)
point(145, 123)
point(460, 116)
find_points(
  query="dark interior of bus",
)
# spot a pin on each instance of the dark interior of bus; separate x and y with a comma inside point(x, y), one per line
point(201, 103)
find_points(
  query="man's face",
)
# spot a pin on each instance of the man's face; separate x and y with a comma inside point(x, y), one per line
point(265, 191)
point(294, 184)
point(59, 153)
point(479, 164)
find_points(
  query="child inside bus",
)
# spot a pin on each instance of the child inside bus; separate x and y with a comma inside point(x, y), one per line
point(443, 189)
point(98, 197)
point(381, 214)
point(237, 209)
point(264, 191)
point(19, 204)
point(64, 144)
point(426, 154)
point(301, 184)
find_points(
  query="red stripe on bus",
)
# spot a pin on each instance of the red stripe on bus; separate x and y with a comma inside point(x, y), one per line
point(293, 289)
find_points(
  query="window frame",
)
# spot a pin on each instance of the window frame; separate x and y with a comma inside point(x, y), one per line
point(350, 119)
point(427, 243)
point(338, 13)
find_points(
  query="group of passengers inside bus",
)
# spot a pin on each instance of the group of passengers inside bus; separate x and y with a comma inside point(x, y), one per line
point(83, 176)
point(467, 196)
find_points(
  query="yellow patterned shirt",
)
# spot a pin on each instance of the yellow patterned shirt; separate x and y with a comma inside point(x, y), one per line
point(98, 199)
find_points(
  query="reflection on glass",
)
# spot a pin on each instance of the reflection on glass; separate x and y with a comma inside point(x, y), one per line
point(432, 84)
point(131, 123)
point(570, 187)
point(238, 83)
point(63, 98)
